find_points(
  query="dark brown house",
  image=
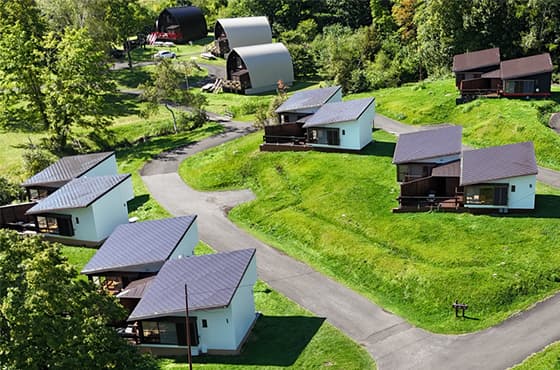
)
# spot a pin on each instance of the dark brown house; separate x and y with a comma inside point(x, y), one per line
point(472, 65)
point(495, 179)
point(522, 77)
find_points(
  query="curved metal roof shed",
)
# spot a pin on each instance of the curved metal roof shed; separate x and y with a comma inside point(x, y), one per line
point(187, 22)
point(258, 68)
point(230, 33)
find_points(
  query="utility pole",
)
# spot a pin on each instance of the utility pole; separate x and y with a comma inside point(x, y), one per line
point(189, 357)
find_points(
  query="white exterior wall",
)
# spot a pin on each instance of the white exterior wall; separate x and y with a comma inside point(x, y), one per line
point(220, 333)
point(105, 168)
point(357, 134)
point(228, 326)
point(111, 209)
point(85, 230)
point(243, 304)
point(522, 198)
point(187, 244)
point(337, 97)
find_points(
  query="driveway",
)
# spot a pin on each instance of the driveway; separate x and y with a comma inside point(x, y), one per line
point(393, 343)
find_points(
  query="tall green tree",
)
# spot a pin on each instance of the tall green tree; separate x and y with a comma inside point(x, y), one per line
point(76, 83)
point(169, 87)
point(51, 320)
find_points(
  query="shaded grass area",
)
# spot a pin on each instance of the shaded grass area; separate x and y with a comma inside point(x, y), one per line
point(333, 211)
point(547, 359)
point(11, 152)
point(486, 122)
point(285, 336)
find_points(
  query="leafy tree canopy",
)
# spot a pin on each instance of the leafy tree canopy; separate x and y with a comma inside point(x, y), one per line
point(51, 320)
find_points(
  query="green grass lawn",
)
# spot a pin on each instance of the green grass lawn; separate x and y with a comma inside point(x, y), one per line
point(486, 122)
point(285, 336)
point(333, 211)
point(547, 359)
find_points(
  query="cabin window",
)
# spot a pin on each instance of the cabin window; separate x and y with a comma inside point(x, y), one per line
point(55, 224)
point(169, 331)
point(326, 136)
point(513, 188)
point(487, 194)
point(530, 186)
point(520, 86)
point(204, 323)
point(77, 220)
point(343, 132)
point(38, 193)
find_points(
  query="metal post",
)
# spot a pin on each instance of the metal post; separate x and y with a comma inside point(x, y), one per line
point(189, 358)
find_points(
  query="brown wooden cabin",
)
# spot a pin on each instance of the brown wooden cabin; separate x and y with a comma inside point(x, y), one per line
point(521, 77)
point(472, 65)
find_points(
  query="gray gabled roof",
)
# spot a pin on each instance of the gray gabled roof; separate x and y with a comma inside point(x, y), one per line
point(212, 281)
point(426, 144)
point(139, 243)
point(476, 59)
point(78, 193)
point(245, 31)
point(136, 289)
point(308, 99)
point(498, 162)
point(526, 66)
point(343, 111)
point(66, 169)
point(266, 63)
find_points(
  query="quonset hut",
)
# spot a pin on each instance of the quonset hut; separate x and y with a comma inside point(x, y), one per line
point(230, 33)
point(181, 24)
point(258, 68)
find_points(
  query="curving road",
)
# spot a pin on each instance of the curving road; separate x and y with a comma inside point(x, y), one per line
point(394, 343)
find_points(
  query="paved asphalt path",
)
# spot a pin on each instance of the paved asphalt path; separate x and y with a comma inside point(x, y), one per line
point(393, 343)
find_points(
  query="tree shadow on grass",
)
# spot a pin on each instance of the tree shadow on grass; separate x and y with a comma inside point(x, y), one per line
point(152, 147)
point(137, 202)
point(379, 149)
point(546, 206)
point(274, 341)
point(119, 105)
point(131, 78)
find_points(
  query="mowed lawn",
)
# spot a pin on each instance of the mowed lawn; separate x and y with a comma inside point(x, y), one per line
point(333, 211)
point(285, 335)
point(485, 122)
point(547, 359)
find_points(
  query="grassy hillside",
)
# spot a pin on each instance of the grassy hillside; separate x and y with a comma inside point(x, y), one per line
point(486, 122)
point(547, 359)
point(333, 211)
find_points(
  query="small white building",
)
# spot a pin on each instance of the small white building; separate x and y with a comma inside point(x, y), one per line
point(137, 250)
point(221, 304)
point(85, 210)
point(304, 103)
point(230, 33)
point(346, 125)
point(500, 177)
point(258, 68)
point(67, 168)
